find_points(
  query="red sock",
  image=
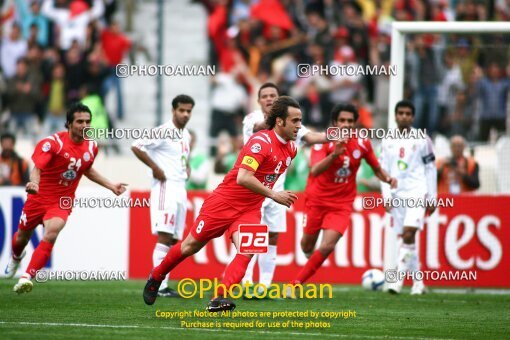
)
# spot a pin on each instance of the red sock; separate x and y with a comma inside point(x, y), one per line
point(234, 273)
point(314, 263)
point(17, 248)
point(40, 257)
point(172, 259)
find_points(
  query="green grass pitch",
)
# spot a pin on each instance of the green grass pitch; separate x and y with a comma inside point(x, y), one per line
point(92, 310)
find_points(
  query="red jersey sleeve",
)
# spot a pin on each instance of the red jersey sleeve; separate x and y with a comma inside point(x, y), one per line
point(254, 153)
point(370, 155)
point(319, 152)
point(44, 152)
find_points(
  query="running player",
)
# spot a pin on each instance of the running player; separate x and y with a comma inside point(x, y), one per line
point(168, 158)
point(411, 161)
point(331, 189)
point(238, 199)
point(60, 161)
point(273, 214)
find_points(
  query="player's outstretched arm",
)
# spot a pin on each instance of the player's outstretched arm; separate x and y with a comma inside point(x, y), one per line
point(94, 176)
point(32, 187)
point(246, 178)
point(385, 177)
point(157, 173)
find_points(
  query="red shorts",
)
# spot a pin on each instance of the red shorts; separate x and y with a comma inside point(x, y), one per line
point(317, 218)
point(34, 213)
point(217, 217)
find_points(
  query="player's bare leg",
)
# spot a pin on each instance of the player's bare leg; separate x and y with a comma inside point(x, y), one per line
point(308, 242)
point(329, 240)
point(179, 252)
point(234, 273)
point(164, 243)
point(20, 240)
point(41, 255)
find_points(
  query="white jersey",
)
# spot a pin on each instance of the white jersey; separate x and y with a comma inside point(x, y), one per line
point(411, 162)
point(257, 116)
point(171, 155)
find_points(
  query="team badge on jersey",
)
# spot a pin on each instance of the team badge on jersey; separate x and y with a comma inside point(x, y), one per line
point(69, 175)
point(86, 156)
point(287, 162)
point(46, 147)
point(66, 155)
point(255, 148)
point(343, 172)
point(402, 165)
point(356, 154)
point(271, 178)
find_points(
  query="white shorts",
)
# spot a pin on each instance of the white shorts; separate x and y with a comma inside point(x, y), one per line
point(274, 215)
point(407, 217)
point(168, 208)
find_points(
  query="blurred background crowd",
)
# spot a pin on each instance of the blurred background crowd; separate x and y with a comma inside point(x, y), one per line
point(54, 52)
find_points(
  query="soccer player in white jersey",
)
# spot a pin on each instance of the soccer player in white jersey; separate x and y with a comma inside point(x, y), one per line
point(168, 159)
point(411, 162)
point(273, 214)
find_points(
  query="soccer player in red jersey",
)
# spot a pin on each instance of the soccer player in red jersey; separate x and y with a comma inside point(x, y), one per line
point(331, 188)
point(238, 199)
point(60, 161)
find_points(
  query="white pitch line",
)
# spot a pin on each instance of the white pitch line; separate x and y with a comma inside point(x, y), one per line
point(86, 325)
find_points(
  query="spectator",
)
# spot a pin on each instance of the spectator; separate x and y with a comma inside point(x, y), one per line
point(56, 110)
point(22, 97)
point(228, 150)
point(450, 85)
point(72, 22)
point(228, 105)
point(297, 173)
point(458, 173)
point(33, 21)
point(115, 46)
point(424, 81)
point(75, 74)
point(492, 91)
point(13, 168)
point(13, 48)
point(199, 165)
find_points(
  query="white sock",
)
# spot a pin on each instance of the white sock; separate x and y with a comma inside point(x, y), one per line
point(267, 264)
point(405, 257)
point(414, 262)
point(248, 276)
point(159, 253)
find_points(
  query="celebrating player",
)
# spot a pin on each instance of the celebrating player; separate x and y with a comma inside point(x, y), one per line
point(331, 189)
point(411, 161)
point(273, 214)
point(60, 161)
point(168, 160)
point(238, 199)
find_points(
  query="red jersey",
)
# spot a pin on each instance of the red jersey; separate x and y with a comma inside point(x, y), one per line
point(266, 154)
point(62, 163)
point(337, 185)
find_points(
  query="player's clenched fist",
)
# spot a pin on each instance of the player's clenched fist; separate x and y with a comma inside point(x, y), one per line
point(119, 188)
point(32, 188)
point(286, 198)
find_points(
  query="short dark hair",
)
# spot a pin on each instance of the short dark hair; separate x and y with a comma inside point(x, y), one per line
point(75, 107)
point(335, 112)
point(8, 135)
point(268, 85)
point(280, 109)
point(182, 99)
point(405, 103)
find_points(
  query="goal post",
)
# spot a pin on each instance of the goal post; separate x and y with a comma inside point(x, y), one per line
point(396, 88)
